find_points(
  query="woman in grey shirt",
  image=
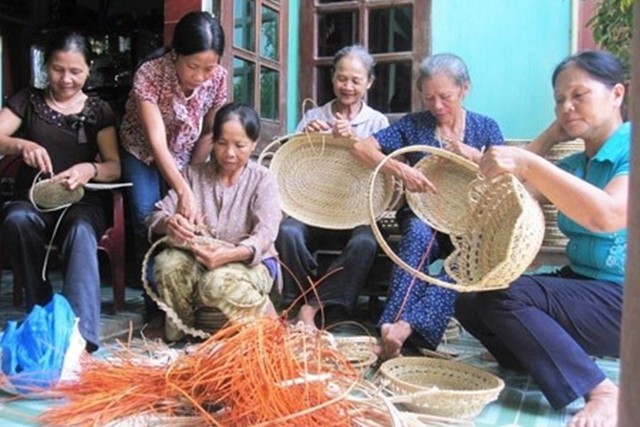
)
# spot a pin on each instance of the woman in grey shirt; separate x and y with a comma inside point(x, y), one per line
point(240, 206)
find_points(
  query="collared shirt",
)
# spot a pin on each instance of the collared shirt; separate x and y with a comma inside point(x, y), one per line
point(601, 256)
point(156, 81)
point(366, 122)
point(246, 213)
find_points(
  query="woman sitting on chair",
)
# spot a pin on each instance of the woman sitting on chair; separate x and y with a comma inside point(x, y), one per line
point(240, 206)
point(62, 130)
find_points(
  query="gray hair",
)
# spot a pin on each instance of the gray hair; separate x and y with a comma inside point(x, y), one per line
point(359, 52)
point(443, 63)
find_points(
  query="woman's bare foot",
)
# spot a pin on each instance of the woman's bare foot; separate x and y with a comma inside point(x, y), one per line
point(601, 409)
point(393, 337)
point(307, 315)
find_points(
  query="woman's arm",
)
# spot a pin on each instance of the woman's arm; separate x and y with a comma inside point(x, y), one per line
point(204, 144)
point(33, 154)
point(108, 169)
point(368, 152)
point(549, 137)
point(598, 210)
point(154, 128)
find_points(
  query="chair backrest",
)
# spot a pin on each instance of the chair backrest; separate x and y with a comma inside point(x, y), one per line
point(9, 166)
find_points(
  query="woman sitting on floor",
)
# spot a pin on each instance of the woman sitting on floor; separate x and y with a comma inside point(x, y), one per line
point(550, 325)
point(240, 206)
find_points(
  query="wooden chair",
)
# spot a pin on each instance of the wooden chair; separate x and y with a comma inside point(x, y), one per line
point(111, 243)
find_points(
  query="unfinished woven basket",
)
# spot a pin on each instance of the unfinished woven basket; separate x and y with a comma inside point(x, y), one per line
point(440, 387)
point(447, 209)
point(496, 237)
point(358, 350)
point(323, 185)
point(52, 195)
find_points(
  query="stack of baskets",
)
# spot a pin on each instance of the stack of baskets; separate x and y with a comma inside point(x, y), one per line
point(553, 237)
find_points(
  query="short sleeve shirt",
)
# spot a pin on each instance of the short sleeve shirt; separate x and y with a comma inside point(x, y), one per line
point(600, 256)
point(420, 129)
point(156, 81)
point(68, 139)
point(365, 123)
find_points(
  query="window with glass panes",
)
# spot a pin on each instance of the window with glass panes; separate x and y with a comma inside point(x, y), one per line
point(255, 31)
point(396, 33)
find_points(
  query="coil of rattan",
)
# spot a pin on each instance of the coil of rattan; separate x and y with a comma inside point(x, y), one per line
point(321, 184)
point(502, 231)
point(440, 387)
point(358, 350)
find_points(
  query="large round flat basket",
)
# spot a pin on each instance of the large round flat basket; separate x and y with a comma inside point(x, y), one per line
point(441, 387)
point(323, 185)
point(447, 209)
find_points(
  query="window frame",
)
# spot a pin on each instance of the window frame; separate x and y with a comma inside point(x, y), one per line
point(270, 127)
point(310, 61)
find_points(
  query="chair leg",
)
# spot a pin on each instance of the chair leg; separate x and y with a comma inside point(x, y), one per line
point(117, 279)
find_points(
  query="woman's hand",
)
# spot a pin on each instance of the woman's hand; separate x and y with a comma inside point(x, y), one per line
point(415, 181)
point(342, 127)
point(179, 228)
point(317, 126)
point(503, 159)
point(211, 256)
point(549, 137)
point(464, 150)
point(187, 206)
point(76, 176)
point(37, 157)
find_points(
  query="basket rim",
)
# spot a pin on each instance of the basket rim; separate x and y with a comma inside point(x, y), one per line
point(316, 214)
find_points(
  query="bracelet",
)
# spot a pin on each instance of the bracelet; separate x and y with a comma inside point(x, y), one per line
point(95, 170)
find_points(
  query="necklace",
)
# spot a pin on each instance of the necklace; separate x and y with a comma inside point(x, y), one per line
point(457, 137)
point(71, 103)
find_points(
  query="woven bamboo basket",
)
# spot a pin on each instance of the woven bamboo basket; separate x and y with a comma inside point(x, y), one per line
point(359, 350)
point(500, 232)
point(321, 184)
point(47, 194)
point(208, 319)
point(447, 209)
point(440, 387)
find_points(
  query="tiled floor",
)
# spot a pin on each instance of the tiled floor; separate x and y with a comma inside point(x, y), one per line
point(520, 404)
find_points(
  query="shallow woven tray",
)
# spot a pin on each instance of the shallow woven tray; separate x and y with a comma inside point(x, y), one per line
point(358, 350)
point(323, 185)
point(440, 387)
point(447, 209)
point(502, 233)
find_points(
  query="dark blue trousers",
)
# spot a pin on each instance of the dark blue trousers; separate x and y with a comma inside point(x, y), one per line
point(551, 326)
point(25, 234)
point(296, 244)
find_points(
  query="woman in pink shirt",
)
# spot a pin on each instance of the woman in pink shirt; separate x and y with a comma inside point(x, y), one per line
point(169, 116)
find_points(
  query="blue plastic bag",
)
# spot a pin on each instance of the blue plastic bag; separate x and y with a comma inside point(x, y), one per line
point(33, 352)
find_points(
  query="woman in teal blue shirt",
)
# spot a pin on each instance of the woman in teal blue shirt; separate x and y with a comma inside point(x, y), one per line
point(551, 325)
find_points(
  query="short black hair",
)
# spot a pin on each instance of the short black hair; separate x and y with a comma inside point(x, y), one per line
point(198, 32)
point(599, 64)
point(244, 113)
point(67, 39)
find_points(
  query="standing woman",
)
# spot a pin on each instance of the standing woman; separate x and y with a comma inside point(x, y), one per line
point(60, 131)
point(346, 116)
point(412, 305)
point(550, 325)
point(168, 119)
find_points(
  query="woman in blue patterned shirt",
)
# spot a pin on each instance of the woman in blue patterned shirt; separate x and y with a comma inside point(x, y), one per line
point(551, 325)
point(425, 309)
